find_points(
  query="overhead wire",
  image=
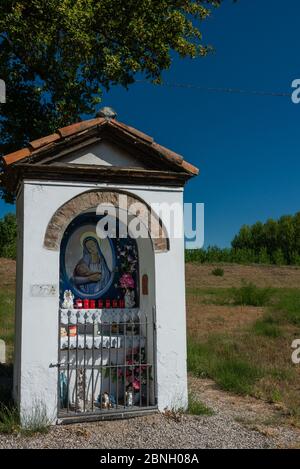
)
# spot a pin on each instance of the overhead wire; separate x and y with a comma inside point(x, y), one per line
point(213, 89)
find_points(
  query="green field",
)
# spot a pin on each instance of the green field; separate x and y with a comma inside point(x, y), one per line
point(241, 338)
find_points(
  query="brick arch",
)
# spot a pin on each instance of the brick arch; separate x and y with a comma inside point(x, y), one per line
point(91, 199)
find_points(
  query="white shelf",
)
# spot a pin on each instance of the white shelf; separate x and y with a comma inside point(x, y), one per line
point(101, 341)
point(90, 316)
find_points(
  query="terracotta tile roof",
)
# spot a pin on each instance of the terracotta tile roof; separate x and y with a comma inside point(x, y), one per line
point(80, 127)
point(41, 142)
point(16, 156)
point(132, 130)
point(37, 147)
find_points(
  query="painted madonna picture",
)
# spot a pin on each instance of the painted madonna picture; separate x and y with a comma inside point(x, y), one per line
point(91, 274)
point(98, 268)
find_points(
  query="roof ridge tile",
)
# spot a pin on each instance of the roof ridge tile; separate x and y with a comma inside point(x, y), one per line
point(41, 142)
point(72, 129)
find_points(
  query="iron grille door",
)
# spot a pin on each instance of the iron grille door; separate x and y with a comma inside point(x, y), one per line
point(106, 362)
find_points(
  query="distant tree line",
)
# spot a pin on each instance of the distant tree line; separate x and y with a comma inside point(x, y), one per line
point(274, 242)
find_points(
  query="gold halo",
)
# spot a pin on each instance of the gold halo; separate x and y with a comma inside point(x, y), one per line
point(90, 234)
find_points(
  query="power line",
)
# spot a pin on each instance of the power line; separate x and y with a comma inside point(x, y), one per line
point(212, 89)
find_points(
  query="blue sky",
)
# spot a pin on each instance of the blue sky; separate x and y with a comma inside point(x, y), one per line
point(246, 146)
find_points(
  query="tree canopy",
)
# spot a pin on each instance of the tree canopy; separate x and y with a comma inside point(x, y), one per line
point(8, 236)
point(275, 239)
point(272, 242)
point(57, 55)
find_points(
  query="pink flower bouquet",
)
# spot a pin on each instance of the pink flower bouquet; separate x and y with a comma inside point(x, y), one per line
point(126, 281)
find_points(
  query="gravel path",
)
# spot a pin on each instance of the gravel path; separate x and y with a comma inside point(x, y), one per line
point(146, 432)
point(238, 422)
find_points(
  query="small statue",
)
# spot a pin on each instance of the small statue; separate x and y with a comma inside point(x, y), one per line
point(68, 300)
point(114, 328)
point(63, 332)
point(131, 327)
point(105, 401)
point(129, 398)
point(113, 401)
point(129, 298)
point(80, 390)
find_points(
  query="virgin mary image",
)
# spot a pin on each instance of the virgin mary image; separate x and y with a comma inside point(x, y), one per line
point(91, 274)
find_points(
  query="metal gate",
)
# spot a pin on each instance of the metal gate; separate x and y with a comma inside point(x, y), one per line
point(106, 363)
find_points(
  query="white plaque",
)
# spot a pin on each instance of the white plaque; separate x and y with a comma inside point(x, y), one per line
point(44, 290)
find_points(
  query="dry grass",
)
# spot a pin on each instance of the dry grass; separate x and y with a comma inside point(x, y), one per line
point(7, 304)
point(7, 275)
point(246, 349)
point(206, 319)
point(200, 276)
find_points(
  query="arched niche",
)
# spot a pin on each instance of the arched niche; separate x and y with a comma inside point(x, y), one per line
point(91, 200)
point(84, 226)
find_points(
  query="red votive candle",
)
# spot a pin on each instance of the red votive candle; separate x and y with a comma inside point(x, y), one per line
point(86, 304)
point(115, 303)
point(92, 304)
point(72, 331)
point(100, 304)
point(107, 304)
point(79, 303)
point(121, 303)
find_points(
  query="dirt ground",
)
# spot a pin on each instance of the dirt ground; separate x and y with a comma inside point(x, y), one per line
point(237, 422)
point(200, 276)
point(7, 274)
point(253, 414)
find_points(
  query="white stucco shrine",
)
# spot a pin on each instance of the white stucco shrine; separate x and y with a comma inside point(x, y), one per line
point(100, 321)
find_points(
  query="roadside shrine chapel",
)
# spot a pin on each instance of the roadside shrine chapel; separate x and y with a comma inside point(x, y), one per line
point(100, 322)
